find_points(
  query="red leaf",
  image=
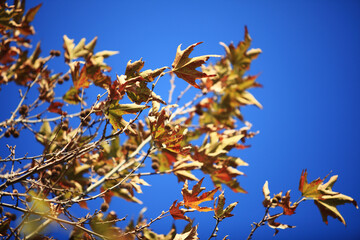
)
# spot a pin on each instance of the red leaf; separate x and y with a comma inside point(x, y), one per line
point(55, 107)
point(178, 213)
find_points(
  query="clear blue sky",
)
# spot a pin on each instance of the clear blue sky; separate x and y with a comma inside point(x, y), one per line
point(310, 70)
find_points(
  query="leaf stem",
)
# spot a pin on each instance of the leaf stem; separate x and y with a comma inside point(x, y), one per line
point(215, 230)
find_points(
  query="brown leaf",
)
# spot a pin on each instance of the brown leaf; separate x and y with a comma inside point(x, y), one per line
point(185, 67)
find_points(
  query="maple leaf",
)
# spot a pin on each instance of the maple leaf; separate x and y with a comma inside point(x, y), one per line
point(324, 197)
point(240, 56)
point(220, 212)
point(55, 107)
point(191, 198)
point(309, 190)
point(80, 50)
point(116, 110)
point(178, 213)
point(80, 78)
point(181, 169)
point(185, 67)
point(167, 136)
point(72, 96)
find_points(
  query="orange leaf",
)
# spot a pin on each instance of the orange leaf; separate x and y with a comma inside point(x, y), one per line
point(191, 199)
point(80, 78)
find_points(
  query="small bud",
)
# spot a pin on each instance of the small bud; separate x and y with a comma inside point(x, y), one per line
point(66, 77)
point(60, 81)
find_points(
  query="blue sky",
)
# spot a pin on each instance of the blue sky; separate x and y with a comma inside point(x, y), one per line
point(310, 70)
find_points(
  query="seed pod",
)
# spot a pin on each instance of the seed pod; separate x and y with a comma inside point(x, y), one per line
point(54, 173)
point(16, 134)
point(47, 174)
point(11, 130)
point(28, 198)
point(101, 171)
point(65, 126)
point(111, 216)
point(7, 134)
point(60, 81)
point(84, 123)
point(55, 53)
point(24, 110)
point(58, 167)
point(155, 166)
point(104, 207)
point(66, 77)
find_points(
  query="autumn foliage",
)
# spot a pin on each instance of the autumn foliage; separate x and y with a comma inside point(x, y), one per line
point(83, 158)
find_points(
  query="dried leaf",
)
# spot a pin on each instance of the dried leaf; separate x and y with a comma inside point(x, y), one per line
point(55, 107)
point(190, 235)
point(324, 197)
point(167, 136)
point(116, 110)
point(80, 50)
point(185, 67)
point(178, 213)
point(30, 15)
point(271, 223)
point(220, 212)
